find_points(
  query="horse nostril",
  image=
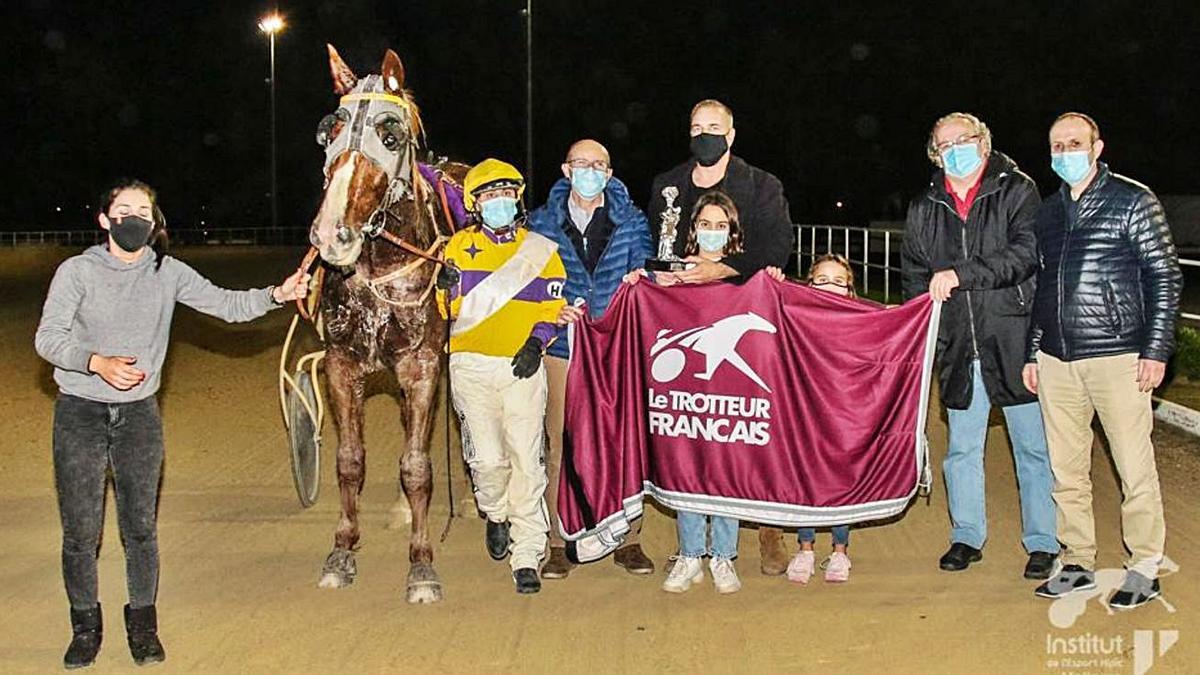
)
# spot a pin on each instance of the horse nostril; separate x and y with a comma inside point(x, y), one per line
point(343, 235)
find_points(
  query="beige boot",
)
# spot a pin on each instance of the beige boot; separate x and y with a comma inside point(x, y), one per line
point(770, 546)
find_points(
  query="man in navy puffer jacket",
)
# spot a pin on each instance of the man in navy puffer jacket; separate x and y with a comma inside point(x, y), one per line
point(1103, 329)
point(601, 235)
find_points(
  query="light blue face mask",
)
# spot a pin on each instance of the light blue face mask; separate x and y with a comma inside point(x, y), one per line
point(1072, 166)
point(498, 212)
point(961, 160)
point(712, 241)
point(588, 182)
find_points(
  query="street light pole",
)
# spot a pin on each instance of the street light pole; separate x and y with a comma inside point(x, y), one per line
point(529, 93)
point(274, 162)
point(271, 25)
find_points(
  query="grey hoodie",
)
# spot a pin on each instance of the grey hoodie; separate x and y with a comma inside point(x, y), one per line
point(98, 304)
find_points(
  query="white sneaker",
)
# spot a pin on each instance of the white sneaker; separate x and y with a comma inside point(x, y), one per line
point(800, 570)
point(725, 577)
point(684, 573)
point(837, 567)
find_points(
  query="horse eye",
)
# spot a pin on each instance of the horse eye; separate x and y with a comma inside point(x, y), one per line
point(390, 130)
point(330, 126)
point(326, 130)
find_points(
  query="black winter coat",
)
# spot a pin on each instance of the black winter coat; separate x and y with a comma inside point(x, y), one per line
point(994, 255)
point(762, 211)
point(1109, 283)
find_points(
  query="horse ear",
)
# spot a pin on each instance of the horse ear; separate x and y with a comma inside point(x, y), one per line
point(344, 79)
point(393, 72)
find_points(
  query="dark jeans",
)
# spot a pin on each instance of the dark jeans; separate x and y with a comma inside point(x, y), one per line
point(90, 436)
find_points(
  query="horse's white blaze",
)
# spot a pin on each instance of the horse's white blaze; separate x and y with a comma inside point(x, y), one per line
point(337, 196)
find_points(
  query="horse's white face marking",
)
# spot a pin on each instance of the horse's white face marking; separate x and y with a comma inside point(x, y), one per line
point(331, 215)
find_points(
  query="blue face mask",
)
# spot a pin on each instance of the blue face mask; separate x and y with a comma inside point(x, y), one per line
point(1072, 166)
point(498, 212)
point(588, 182)
point(961, 160)
point(712, 241)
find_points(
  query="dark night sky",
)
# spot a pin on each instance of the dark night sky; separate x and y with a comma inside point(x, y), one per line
point(836, 98)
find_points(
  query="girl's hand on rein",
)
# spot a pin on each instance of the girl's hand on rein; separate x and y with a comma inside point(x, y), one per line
point(117, 371)
point(294, 287)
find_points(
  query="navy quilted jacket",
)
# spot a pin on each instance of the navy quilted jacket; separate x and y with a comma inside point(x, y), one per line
point(628, 247)
point(1110, 282)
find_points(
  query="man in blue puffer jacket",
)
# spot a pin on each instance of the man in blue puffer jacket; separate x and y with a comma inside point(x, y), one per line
point(601, 235)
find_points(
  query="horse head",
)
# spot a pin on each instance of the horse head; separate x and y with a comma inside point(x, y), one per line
point(370, 156)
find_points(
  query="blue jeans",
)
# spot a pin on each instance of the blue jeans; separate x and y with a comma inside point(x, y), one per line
point(963, 469)
point(691, 527)
point(841, 535)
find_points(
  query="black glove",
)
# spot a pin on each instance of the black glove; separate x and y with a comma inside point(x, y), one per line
point(448, 276)
point(528, 358)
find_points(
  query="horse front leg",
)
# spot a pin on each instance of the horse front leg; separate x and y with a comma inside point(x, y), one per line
point(346, 394)
point(420, 379)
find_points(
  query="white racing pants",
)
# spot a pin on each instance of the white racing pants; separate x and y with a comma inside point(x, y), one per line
point(503, 421)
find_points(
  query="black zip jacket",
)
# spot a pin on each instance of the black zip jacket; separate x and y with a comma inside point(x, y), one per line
point(1109, 279)
point(762, 211)
point(994, 254)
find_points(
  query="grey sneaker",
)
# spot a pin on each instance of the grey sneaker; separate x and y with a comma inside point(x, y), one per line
point(1135, 592)
point(1071, 578)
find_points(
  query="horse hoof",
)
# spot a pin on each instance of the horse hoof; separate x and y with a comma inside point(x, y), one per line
point(333, 580)
point(424, 586)
point(339, 569)
point(424, 593)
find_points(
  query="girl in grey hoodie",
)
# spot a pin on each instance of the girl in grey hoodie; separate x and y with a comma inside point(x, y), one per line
point(105, 327)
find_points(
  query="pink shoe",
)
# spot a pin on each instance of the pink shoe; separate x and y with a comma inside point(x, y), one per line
point(837, 567)
point(800, 570)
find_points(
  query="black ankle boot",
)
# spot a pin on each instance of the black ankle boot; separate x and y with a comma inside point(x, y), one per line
point(87, 628)
point(141, 629)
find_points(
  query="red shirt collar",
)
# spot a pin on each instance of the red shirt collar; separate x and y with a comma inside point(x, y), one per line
point(963, 206)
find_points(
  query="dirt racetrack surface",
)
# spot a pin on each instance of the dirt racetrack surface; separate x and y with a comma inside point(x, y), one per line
point(240, 558)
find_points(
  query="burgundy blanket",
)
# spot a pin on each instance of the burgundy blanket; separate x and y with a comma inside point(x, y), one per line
point(769, 402)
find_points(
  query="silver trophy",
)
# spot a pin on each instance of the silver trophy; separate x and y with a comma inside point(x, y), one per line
point(667, 261)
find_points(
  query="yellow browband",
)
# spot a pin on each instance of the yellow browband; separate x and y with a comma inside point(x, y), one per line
point(374, 96)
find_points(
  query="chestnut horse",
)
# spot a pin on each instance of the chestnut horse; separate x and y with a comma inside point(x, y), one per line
point(378, 232)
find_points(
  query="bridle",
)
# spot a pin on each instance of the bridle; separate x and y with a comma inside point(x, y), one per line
point(377, 125)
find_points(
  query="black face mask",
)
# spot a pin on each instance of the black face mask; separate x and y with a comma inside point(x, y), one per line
point(130, 232)
point(709, 148)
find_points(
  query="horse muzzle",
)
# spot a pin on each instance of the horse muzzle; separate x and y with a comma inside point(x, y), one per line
point(341, 250)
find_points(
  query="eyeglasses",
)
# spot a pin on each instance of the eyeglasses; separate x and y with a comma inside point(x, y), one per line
point(580, 163)
point(965, 138)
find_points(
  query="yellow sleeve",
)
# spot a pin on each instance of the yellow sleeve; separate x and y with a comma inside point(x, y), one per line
point(556, 271)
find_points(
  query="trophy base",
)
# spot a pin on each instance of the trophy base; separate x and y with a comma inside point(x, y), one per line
point(662, 265)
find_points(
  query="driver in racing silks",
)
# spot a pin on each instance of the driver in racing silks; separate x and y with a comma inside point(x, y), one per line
point(502, 285)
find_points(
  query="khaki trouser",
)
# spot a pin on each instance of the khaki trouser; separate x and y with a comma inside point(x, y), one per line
point(502, 420)
point(556, 374)
point(1070, 393)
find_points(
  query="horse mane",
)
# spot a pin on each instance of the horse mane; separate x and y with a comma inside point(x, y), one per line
point(416, 126)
